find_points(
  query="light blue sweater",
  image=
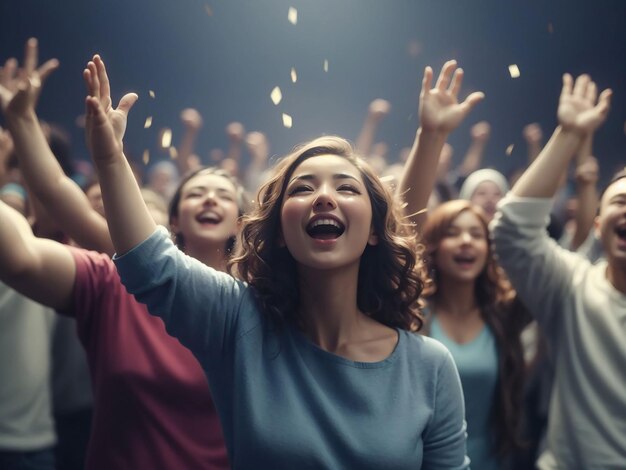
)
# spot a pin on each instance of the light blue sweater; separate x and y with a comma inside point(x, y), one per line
point(284, 402)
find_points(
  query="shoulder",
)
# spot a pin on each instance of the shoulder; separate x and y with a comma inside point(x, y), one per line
point(93, 265)
point(428, 351)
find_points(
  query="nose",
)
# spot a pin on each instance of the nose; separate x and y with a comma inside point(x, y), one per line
point(466, 238)
point(325, 199)
point(210, 199)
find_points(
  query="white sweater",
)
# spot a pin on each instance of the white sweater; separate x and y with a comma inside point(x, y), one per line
point(584, 318)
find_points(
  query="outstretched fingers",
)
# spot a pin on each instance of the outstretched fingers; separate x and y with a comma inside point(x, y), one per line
point(103, 78)
point(472, 100)
point(427, 81)
point(127, 102)
point(457, 81)
point(47, 68)
point(446, 73)
point(568, 83)
point(31, 53)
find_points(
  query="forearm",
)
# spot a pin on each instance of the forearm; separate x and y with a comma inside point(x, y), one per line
point(420, 173)
point(185, 150)
point(365, 140)
point(128, 218)
point(541, 179)
point(14, 232)
point(473, 158)
point(61, 196)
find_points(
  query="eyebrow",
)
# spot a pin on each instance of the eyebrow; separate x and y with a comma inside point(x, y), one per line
point(204, 188)
point(336, 176)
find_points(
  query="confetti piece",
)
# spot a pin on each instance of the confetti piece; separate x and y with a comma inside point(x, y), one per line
point(326, 65)
point(173, 153)
point(514, 71)
point(292, 16)
point(294, 75)
point(148, 123)
point(146, 156)
point(166, 138)
point(287, 121)
point(151, 93)
point(208, 10)
point(509, 149)
point(276, 95)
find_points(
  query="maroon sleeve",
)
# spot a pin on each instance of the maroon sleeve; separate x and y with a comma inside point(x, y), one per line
point(96, 278)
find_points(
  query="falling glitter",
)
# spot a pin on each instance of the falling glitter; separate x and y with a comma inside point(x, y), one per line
point(276, 95)
point(287, 121)
point(514, 71)
point(148, 123)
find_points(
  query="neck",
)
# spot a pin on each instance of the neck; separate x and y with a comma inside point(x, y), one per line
point(617, 277)
point(455, 298)
point(209, 255)
point(328, 305)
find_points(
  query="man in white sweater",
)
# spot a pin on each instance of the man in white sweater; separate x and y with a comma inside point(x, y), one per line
point(581, 307)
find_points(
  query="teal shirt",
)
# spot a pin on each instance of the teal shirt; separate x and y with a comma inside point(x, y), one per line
point(284, 402)
point(477, 363)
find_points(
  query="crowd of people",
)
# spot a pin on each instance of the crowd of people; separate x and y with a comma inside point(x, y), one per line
point(332, 309)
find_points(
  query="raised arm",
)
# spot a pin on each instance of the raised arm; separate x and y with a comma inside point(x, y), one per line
point(128, 217)
point(40, 269)
point(376, 112)
point(187, 160)
point(586, 191)
point(440, 113)
point(61, 197)
point(580, 112)
point(474, 156)
point(533, 136)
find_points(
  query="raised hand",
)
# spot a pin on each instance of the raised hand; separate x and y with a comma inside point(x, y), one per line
point(104, 125)
point(439, 108)
point(258, 146)
point(191, 119)
point(588, 171)
point(378, 109)
point(481, 131)
point(533, 134)
point(235, 132)
point(580, 109)
point(20, 87)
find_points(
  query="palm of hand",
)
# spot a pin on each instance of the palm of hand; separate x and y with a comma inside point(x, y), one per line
point(579, 114)
point(440, 110)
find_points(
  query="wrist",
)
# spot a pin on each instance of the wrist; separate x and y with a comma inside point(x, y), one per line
point(432, 134)
point(27, 116)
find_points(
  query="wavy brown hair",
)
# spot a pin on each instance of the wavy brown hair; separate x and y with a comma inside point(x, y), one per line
point(390, 274)
point(501, 311)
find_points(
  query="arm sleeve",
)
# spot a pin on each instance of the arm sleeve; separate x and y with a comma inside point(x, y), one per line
point(541, 271)
point(445, 438)
point(200, 306)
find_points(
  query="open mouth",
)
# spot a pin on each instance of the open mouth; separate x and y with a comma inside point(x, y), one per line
point(325, 229)
point(208, 218)
point(464, 260)
point(621, 233)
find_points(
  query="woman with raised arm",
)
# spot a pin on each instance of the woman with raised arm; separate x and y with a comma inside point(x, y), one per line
point(153, 407)
point(312, 356)
point(473, 311)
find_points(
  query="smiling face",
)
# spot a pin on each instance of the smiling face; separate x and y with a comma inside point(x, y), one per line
point(207, 211)
point(487, 195)
point(326, 214)
point(611, 224)
point(462, 252)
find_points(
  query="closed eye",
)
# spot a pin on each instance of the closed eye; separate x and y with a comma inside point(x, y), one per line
point(348, 188)
point(299, 189)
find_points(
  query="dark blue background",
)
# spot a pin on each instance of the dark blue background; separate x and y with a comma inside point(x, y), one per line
point(226, 64)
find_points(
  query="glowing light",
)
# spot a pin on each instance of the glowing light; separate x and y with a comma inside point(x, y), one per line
point(292, 16)
point(294, 75)
point(276, 95)
point(166, 138)
point(148, 123)
point(287, 121)
point(514, 71)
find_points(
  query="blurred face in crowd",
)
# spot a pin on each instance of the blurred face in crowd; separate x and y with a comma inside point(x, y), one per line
point(487, 195)
point(462, 252)
point(611, 224)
